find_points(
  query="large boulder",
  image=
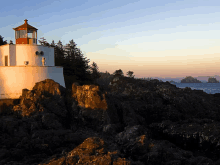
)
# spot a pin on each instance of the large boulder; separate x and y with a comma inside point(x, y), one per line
point(46, 96)
point(89, 96)
point(37, 124)
point(91, 107)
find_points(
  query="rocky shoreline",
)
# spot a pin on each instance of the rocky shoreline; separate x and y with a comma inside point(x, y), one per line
point(133, 122)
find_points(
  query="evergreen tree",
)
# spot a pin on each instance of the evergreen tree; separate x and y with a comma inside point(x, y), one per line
point(95, 71)
point(76, 68)
point(107, 73)
point(59, 53)
point(118, 73)
point(1, 41)
point(130, 74)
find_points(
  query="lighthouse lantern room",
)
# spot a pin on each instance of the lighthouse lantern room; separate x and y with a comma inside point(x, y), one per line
point(25, 34)
point(25, 63)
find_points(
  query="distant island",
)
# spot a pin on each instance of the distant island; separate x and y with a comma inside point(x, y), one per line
point(212, 80)
point(190, 79)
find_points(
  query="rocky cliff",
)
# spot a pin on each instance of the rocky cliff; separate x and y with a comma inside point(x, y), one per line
point(134, 122)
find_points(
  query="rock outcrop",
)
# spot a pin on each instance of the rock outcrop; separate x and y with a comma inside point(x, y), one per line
point(91, 151)
point(134, 122)
point(88, 96)
point(212, 80)
point(190, 79)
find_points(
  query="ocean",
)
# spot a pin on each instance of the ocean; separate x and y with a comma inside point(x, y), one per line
point(210, 88)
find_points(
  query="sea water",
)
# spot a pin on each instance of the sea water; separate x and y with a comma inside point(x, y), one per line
point(210, 88)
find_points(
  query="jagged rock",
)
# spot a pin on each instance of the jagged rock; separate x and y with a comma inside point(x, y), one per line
point(110, 129)
point(89, 105)
point(129, 134)
point(91, 151)
point(191, 134)
point(50, 121)
point(134, 122)
point(47, 96)
point(134, 141)
point(164, 151)
point(48, 87)
point(89, 96)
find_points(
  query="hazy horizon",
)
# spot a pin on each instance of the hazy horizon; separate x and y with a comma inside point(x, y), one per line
point(164, 38)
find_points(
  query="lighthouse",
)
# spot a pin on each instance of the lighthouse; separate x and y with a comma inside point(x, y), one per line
point(25, 63)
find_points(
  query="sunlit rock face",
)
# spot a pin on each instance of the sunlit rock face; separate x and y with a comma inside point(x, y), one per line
point(49, 86)
point(90, 106)
point(47, 96)
point(89, 96)
point(92, 151)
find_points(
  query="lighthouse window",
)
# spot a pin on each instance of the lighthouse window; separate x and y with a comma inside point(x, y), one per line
point(6, 60)
point(30, 34)
point(17, 34)
point(23, 33)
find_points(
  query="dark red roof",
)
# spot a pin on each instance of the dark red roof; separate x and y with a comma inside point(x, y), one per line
point(26, 26)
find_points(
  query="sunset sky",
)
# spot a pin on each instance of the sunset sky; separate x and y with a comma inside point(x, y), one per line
point(160, 38)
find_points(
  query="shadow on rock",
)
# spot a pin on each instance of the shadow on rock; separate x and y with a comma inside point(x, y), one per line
point(134, 122)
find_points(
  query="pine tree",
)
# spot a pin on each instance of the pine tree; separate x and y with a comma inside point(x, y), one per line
point(130, 74)
point(76, 68)
point(95, 71)
point(118, 73)
point(1, 41)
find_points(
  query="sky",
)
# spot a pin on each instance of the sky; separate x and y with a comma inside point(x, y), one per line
point(160, 38)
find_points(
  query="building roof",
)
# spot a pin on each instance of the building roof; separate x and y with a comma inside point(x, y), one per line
point(26, 26)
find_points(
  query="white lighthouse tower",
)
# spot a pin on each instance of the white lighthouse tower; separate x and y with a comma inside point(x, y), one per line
point(25, 63)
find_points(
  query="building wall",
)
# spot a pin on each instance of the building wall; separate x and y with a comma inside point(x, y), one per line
point(12, 55)
point(19, 53)
point(22, 41)
point(26, 52)
point(4, 50)
point(15, 78)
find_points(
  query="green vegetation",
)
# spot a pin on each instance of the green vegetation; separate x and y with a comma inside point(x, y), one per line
point(118, 73)
point(130, 74)
point(1, 41)
point(95, 71)
point(75, 65)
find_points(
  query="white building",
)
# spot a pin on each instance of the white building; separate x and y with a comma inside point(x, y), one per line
point(25, 63)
